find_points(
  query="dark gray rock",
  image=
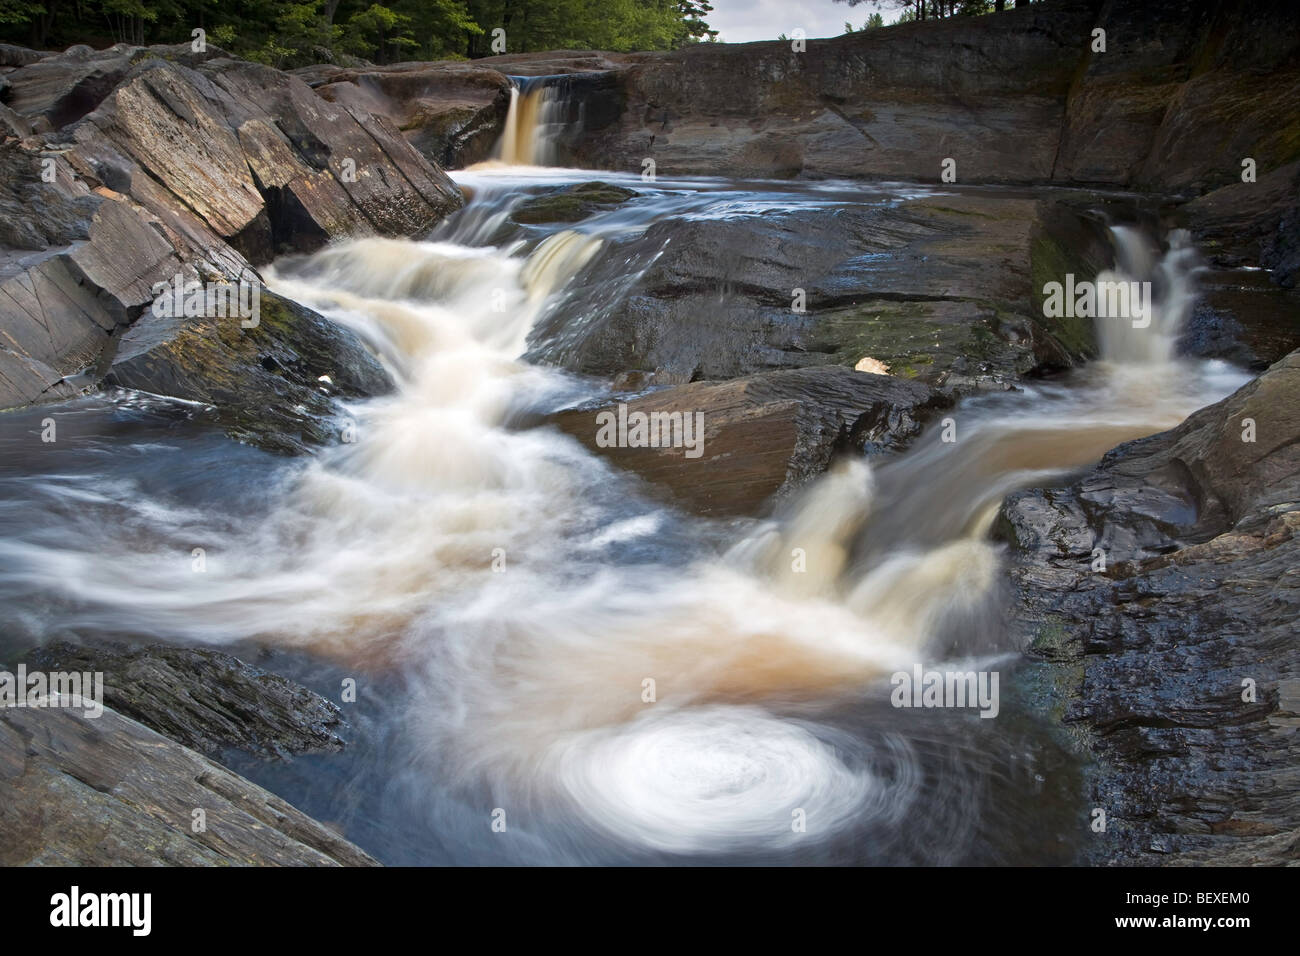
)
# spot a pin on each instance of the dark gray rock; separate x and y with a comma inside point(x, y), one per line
point(937, 289)
point(205, 699)
point(1201, 536)
point(272, 385)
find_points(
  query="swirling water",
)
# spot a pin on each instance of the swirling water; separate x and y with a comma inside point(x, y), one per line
point(501, 596)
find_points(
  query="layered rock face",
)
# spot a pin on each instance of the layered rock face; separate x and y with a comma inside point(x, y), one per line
point(1176, 661)
point(1173, 102)
point(132, 166)
point(111, 792)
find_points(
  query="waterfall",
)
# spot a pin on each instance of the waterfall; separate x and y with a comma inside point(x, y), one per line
point(1152, 337)
point(533, 122)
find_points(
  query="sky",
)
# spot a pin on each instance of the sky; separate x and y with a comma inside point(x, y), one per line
point(740, 21)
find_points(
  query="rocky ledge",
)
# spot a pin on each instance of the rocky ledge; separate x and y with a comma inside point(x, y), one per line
point(100, 206)
point(1162, 589)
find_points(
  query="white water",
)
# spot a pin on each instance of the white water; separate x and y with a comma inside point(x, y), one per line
point(528, 683)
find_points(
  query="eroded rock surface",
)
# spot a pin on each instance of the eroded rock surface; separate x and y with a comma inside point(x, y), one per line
point(1155, 657)
point(111, 792)
point(205, 699)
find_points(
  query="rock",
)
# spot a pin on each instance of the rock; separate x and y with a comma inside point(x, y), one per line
point(451, 112)
point(267, 167)
point(204, 699)
point(1241, 316)
point(12, 56)
point(111, 792)
point(938, 289)
point(868, 104)
point(273, 385)
point(63, 87)
point(1183, 92)
point(571, 204)
point(765, 435)
point(1201, 534)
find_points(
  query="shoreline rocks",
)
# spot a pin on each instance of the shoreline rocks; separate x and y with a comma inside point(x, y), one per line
point(1176, 665)
point(268, 167)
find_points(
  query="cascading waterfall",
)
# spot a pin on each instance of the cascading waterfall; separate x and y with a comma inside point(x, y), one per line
point(570, 650)
point(533, 122)
point(1171, 277)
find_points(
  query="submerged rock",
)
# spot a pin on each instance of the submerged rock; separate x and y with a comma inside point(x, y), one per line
point(571, 204)
point(109, 791)
point(205, 699)
point(1177, 663)
point(762, 436)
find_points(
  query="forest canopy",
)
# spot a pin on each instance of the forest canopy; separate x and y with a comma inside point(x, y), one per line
point(286, 34)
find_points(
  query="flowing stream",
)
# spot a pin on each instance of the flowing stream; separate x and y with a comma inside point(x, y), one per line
point(501, 595)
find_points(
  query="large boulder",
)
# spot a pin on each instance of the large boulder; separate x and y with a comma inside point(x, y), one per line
point(273, 384)
point(937, 289)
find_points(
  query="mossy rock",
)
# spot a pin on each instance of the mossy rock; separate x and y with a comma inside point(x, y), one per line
point(273, 385)
point(571, 204)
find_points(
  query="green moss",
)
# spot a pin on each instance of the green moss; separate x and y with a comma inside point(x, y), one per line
point(571, 204)
point(1050, 261)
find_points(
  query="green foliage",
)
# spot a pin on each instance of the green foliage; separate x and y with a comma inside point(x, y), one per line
point(290, 33)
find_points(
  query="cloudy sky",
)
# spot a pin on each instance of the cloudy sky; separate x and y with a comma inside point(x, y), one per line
point(739, 21)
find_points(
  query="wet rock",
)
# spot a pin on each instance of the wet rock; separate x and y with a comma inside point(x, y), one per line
point(571, 204)
point(205, 699)
point(937, 289)
point(1243, 317)
point(267, 166)
point(1175, 103)
point(111, 792)
point(1154, 657)
point(764, 435)
point(273, 385)
point(868, 104)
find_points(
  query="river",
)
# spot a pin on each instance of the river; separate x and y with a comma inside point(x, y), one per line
point(501, 596)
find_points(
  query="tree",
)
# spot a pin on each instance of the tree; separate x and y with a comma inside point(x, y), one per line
point(288, 33)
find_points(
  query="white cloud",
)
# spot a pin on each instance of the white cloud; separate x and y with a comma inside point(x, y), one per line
point(740, 21)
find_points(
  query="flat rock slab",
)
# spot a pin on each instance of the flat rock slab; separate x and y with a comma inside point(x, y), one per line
point(764, 435)
point(108, 791)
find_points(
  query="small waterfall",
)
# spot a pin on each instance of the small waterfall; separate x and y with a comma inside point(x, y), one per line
point(1149, 336)
point(533, 123)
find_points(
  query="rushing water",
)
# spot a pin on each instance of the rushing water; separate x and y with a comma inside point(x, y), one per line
point(501, 595)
